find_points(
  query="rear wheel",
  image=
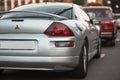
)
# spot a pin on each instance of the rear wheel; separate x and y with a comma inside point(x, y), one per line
point(81, 70)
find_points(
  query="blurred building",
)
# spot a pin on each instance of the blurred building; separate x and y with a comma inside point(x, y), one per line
point(91, 1)
point(6, 5)
point(95, 1)
point(99, 1)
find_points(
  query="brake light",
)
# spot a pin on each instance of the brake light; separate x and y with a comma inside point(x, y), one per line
point(58, 29)
point(107, 27)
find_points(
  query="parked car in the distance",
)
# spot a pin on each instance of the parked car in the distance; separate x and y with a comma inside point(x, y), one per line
point(108, 23)
point(117, 16)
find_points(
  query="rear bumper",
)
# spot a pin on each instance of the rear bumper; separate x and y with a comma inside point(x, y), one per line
point(107, 35)
point(43, 55)
point(38, 63)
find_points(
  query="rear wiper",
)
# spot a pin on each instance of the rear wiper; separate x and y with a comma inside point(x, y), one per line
point(64, 10)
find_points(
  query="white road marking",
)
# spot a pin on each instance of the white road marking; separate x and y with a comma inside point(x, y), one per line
point(102, 55)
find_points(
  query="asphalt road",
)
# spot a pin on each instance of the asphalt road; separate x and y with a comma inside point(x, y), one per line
point(105, 68)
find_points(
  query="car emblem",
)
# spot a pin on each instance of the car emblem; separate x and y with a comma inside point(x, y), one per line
point(17, 27)
point(106, 27)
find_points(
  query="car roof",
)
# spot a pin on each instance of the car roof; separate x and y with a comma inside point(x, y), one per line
point(97, 7)
point(56, 4)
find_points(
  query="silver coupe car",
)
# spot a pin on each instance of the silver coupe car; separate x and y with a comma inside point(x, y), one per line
point(48, 36)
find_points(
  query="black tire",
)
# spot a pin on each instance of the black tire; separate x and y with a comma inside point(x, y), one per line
point(1, 70)
point(98, 54)
point(81, 70)
point(112, 43)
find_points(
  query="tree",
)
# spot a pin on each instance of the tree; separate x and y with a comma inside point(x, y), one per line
point(79, 2)
point(115, 4)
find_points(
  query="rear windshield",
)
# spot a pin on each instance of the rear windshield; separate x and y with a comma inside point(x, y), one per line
point(100, 13)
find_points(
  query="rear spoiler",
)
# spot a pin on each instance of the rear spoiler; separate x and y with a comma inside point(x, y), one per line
point(36, 12)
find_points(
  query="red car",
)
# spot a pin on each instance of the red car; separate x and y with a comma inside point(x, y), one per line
point(108, 23)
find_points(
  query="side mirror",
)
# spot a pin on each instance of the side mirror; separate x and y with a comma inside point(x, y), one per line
point(95, 21)
point(91, 15)
point(115, 17)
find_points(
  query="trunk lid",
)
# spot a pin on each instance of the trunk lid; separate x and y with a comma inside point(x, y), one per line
point(24, 26)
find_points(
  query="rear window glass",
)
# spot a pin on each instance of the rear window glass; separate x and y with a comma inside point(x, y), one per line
point(47, 9)
point(100, 13)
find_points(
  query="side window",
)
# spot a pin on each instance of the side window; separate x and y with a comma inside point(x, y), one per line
point(67, 14)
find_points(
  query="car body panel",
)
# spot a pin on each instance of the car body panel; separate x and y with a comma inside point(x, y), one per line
point(23, 27)
point(40, 51)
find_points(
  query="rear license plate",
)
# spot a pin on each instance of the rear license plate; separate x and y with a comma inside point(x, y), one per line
point(17, 45)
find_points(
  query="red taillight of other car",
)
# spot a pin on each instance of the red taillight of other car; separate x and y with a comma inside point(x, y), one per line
point(58, 29)
point(107, 27)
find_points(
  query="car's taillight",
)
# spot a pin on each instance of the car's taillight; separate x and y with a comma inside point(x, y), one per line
point(64, 43)
point(58, 29)
point(107, 27)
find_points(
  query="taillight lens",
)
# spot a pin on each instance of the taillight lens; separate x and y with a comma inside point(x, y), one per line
point(64, 43)
point(107, 27)
point(58, 29)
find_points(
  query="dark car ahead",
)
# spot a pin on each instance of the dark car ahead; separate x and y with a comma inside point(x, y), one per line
point(108, 23)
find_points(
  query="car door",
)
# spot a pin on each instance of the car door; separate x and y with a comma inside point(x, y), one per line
point(93, 35)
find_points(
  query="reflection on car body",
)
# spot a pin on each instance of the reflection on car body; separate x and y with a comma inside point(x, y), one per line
point(52, 36)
